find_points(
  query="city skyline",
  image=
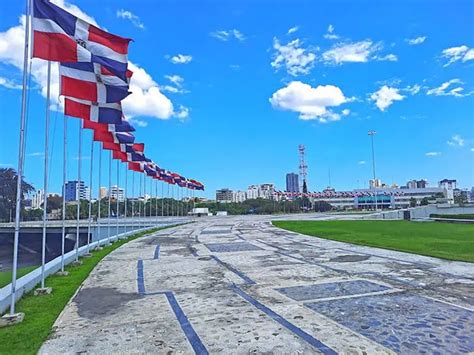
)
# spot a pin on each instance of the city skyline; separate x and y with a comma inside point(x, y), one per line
point(385, 69)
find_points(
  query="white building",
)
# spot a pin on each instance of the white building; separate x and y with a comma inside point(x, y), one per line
point(38, 199)
point(239, 196)
point(252, 192)
point(267, 191)
point(117, 192)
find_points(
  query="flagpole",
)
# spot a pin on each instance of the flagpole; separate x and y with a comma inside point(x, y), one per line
point(139, 204)
point(90, 198)
point(144, 199)
point(133, 199)
point(64, 192)
point(45, 181)
point(99, 237)
point(168, 198)
point(110, 194)
point(125, 194)
point(117, 204)
point(78, 191)
point(21, 157)
point(156, 201)
point(162, 198)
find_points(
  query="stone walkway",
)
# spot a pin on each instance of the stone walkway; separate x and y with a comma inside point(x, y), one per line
point(239, 285)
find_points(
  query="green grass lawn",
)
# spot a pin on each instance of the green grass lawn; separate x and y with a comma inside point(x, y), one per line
point(6, 276)
point(453, 216)
point(441, 240)
point(41, 312)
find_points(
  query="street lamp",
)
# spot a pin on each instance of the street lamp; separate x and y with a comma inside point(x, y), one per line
point(372, 133)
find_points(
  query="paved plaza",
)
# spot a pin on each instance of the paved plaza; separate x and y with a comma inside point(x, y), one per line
point(238, 285)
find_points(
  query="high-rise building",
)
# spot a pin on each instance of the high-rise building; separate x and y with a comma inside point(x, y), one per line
point(375, 183)
point(103, 193)
point(38, 199)
point(224, 195)
point(266, 191)
point(239, 196)
point(292, 182)
point(417, 184)
point(447, 184)
point(117, 193)
point(252, 192)
point(72, 188)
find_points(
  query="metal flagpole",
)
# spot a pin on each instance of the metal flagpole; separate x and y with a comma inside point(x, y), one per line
point(172, 198)
point(162, 198)
point(99, 236)
point(78, 191)
point(117, 204)
point(168, 198)
point(125, 195)
point(45, 181)
point(133, 198)
point(90, 198)
point(21, 157)
point(110, 196)
point(156, 201)
point(139, 202)
point(144, 199)
point(64, 192)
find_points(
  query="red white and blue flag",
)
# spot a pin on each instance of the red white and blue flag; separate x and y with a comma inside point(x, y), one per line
point(105, 113)
point(89, 81)
point(60, 36)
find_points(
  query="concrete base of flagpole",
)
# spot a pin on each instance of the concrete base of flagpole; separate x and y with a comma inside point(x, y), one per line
point(43, 291)
point(97, 248)
point(87, 255)
point(77, 263)
point(62, 273)
point(11, 319)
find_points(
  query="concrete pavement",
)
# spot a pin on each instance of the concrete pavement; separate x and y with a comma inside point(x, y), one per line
point(240, 285)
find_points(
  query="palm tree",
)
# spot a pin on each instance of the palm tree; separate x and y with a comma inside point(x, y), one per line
point(8, 181)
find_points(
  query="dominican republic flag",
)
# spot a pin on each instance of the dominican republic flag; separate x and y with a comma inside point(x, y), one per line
point(114, 137)
point(124, 126)
point(59, 36)
point(135, 167)
point(91, 82)
point(98, 113)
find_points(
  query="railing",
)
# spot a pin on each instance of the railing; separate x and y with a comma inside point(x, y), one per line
point(28, 282)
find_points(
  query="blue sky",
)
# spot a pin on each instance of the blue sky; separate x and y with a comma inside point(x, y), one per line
point(226, 90)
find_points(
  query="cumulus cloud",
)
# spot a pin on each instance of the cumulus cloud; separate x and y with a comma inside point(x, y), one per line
point(456, 141)
point(292, 30)
point(386, 96)
point(182, 113)
point(361, 162)
point(413, 89)
point(128, 15)
point(415, 41)
point(178, 82)
point(146, 100)
point(138, 123)
point(311, 103)
point(293, 57)
point(356, 52)
point(432, 154)
point(449, 88)
point(181, 59)
point(9, 84)
point(330, 33)
point(462, 53)
point(225, 35)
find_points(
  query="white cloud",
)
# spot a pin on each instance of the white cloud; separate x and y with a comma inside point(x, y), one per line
point(385, 96)
point(432, 154)
point(137, 122)
point(296, 59)
point(128, 15)
point(442, 90)
point(234, 66)
point(454, 54)
point(175, 79)
point(35, 154)
point(413, 89)
point(330, 33)
point(311, 103)
point(361, 162)
point(346, 112)
point(9, 84)
point(416, 40)
point(456, 141)
point(292, 30)
point(183, 113)
point(472, 149)
point(225, 35)
point(181, 59)
point(356, 52)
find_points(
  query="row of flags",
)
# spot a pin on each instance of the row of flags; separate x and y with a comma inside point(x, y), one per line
point(94, 79)
point(341, 194)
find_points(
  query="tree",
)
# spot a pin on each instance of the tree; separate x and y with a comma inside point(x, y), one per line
point(8, 182)
point(322, 206)
point(412, 202)
point(54, 202)
point(460, 199)
point(424, 201)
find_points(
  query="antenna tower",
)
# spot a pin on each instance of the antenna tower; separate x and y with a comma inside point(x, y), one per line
point(303, 167)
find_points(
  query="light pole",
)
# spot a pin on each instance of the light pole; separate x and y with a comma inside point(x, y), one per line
point(372, 133)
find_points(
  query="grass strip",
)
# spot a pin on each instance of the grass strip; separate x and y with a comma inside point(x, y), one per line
point(442, 240)
point(6, 276)
point(41, 312)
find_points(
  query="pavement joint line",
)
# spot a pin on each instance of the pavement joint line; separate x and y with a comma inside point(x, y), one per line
point(156, 255)
point(248, 280)
point(285, 323)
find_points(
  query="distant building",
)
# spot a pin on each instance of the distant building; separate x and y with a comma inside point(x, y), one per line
point(252, 192)
point(447, 184)
point(103, 193)
point(239, 196)
point(375, 183)
point(267, 191)
point(224, 195)
point(292, 182)
point(72, 188)
point(417, 184)
point(117, 193)
point(38, 199)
